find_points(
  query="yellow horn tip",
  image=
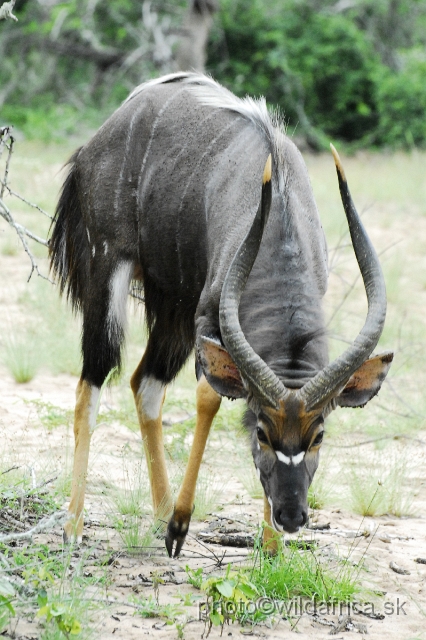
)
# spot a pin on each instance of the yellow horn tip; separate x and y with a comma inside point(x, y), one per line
point(338, 162)
point(267, 172)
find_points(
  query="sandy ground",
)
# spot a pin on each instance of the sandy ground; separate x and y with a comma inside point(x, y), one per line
point(399, 599)
point(395, 540)
point(385, 539)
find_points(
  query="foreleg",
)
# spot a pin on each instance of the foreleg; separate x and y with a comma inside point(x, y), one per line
point(208, 403)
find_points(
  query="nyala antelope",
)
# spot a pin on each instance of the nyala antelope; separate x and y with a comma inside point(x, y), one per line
point(201, 198)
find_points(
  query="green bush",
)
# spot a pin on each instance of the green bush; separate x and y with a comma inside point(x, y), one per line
point(402, 105)
point(309, 63)
point(334, 72)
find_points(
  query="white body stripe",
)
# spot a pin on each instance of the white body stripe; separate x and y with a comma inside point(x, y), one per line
point(294, 460)
point(93, 407)
point(152, 137)
point(126, 155)
point(150, 396)
point(119, 289)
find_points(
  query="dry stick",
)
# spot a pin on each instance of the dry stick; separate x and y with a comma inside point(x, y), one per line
point(8, 470)
point(22, 232)
point(5, 212)
point(30, 204)
point(212, 553)
point(8, 160)
point(45, 524)
point(40, 486)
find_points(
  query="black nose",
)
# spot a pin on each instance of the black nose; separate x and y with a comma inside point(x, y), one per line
point(291, 521)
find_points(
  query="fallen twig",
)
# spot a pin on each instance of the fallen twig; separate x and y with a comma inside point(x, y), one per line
point(8, 470)
point(397, 569)
point(45, 524)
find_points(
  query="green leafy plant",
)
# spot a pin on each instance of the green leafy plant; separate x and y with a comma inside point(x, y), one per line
point(7, 596)
point(150, 608)
point(226, 597)
point(195, 576)
point(60, 613)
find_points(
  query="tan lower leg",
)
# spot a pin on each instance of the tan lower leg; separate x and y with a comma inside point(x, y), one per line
point(270, 536)
point(208, 403)
point(149, 398)
point(85, 414)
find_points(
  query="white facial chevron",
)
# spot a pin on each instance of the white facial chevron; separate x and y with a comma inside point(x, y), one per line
point(294, 460)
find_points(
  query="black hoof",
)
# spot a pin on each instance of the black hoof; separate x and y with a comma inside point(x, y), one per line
point(176, 533)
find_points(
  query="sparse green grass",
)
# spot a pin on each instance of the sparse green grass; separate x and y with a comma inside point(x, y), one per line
point(247, 475)
point(53, 588)
point(209, 494)
point(57, 330)
point(384, 485)
point(138, 533)
point(132, 510)
point(21, 358)
point(133, 499)
point(37, 581)
point(320, 492)
point(292, 573)
point(50, 415)
point(20, 498)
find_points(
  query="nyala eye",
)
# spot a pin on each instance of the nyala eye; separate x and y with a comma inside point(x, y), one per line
point(261, 435)
point(318, 439)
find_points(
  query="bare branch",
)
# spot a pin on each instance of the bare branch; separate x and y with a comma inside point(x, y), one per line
point(6, 11)
point(6, 142)
point(22, 232)
point(46, 524)
point(5, 135)
point(30, 204)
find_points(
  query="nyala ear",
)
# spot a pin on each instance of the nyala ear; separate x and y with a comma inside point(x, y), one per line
point(365, 383)
point(220, 370)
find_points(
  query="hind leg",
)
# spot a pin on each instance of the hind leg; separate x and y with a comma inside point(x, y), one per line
point(167, 350)
point(149, 394)
point(87, 397)
point(104, 319)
